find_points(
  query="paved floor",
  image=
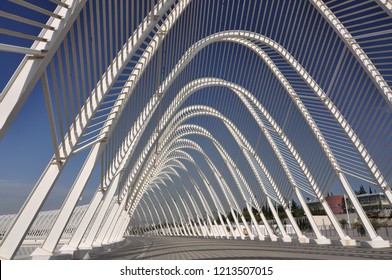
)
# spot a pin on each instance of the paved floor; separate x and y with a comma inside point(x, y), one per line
point(189, 248)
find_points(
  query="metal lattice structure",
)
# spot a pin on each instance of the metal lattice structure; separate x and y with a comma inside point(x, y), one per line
point(197, 110)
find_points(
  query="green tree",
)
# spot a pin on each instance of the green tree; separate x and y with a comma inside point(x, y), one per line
point(376, 225)
point(343, 223)
point(296, 209)
point(360, 228)
point(361, 190)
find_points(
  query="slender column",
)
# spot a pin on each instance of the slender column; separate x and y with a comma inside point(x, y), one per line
point(155, 209)
point(99, 239)
point(301, 237)
point(285, 236)
point(230, 227)
point(260, 234)
point(267, 226)
point(189, 230)
point(69, 204)
point(223, 225)
point(101, 214)
point(121, 230)
point(376, 240)
point(194, 229)
point(212, 230)
point(320, 238)
point(203, 227)
point(83, 225)
point(164, 214)
point(197, 228)
point(216, 227)
point(234, 215)
point(251, 236)
point(117, 221)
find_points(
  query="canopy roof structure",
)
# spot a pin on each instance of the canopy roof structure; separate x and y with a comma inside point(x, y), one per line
point(196, 110)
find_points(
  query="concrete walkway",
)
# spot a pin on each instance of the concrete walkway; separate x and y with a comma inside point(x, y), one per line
point(190, 248)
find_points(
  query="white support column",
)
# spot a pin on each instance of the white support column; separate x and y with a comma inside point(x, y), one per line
point(216, 227)
point(197, 228)
point(301, 237)
point(194, 227)
point(155, 209)
point(321, 239)
point(376, 241)
point(203, 228)
point(188, 230)
point(114, 222)
point(99, 239)
point(177, 231)
point(119, 210)
point(117, 225)
point(87, 244)
point(122, 228)
point(73, 244)
point(285, 236)
point(29, 211)
point(271, 235)
point(183, 228)
point(223, 225)
point(68, 206)
point(251, 236)
point(230, 227)
point(212, 230)
point(260, 234)
point(242, 236)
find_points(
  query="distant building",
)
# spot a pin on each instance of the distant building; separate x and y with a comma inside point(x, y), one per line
point(372, 202)
point(337, 204)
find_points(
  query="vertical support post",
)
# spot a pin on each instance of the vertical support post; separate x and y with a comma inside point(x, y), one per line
point(237, 223)
point(285, 236)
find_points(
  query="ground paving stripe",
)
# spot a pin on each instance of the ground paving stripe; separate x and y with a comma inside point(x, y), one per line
point(198, 248)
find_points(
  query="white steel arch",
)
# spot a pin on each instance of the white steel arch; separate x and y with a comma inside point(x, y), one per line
point(239, 187)
point(211, 82)
point(231, 36)
point(246, 38)
point(231, 200)
point(226, 191)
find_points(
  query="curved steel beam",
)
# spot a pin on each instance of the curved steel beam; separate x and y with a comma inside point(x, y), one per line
point(247, 38)
point(210, 190)
point(223, 185)
point(193, 111)
point(355, 48)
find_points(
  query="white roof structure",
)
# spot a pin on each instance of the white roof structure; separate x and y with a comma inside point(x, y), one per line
point(193, 110)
